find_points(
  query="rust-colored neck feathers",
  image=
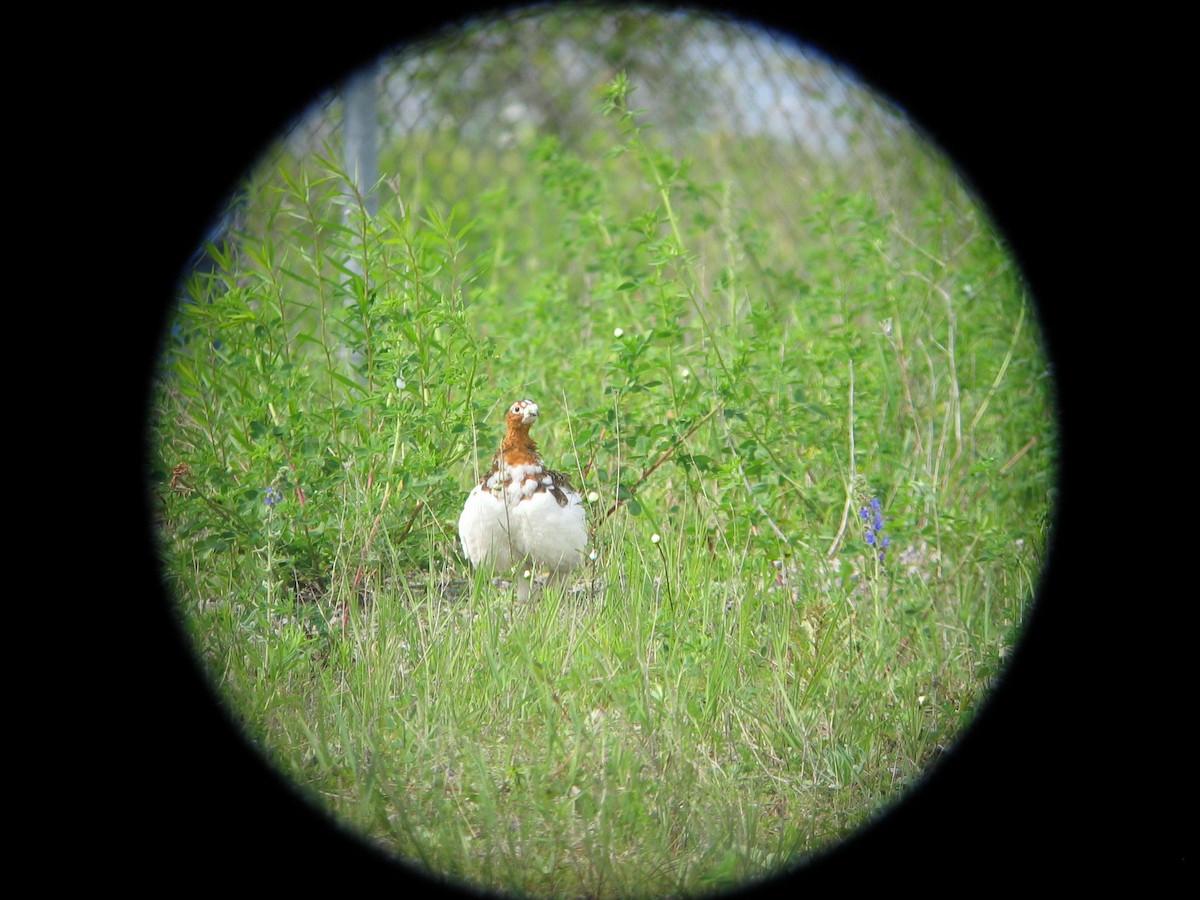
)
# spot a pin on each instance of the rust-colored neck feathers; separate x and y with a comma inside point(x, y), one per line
point(518, 448)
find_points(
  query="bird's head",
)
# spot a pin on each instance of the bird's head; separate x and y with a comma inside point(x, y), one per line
point(522, 413)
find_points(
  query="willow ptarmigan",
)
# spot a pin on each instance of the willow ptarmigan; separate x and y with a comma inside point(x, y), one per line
point(521, 512)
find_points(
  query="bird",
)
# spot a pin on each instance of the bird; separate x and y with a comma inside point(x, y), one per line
point(520, 512)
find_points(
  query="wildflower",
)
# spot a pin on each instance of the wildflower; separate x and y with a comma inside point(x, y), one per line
point(617, 332)
point(872, 516)
point(593, 496)
point(271, 496)
point(654, 538)
point(400, 384)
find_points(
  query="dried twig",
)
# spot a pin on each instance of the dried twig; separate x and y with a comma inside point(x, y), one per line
point(837, 539)
point(662, 458)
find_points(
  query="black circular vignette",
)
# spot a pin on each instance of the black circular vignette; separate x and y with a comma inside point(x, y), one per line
point(1012, 801)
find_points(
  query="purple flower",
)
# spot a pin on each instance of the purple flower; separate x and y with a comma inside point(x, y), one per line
point(271, 496)
point(872, 516)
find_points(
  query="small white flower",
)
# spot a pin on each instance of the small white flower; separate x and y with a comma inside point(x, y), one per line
point(617, 332)
point(593, 555)
point(400, 384)
point(593, 496)
point(654, 538)
point(685, 374)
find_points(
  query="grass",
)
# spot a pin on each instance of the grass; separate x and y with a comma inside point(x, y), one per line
point(737, 679)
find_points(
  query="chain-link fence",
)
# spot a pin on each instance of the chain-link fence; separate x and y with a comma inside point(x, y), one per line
point(776, 123)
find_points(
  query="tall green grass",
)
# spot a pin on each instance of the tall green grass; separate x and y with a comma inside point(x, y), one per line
point(736, 678)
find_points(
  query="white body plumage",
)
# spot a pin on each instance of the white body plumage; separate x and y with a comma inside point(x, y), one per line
point(505, 521)
point(523, 513)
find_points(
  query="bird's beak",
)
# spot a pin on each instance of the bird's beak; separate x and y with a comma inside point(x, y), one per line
point(530, 412)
